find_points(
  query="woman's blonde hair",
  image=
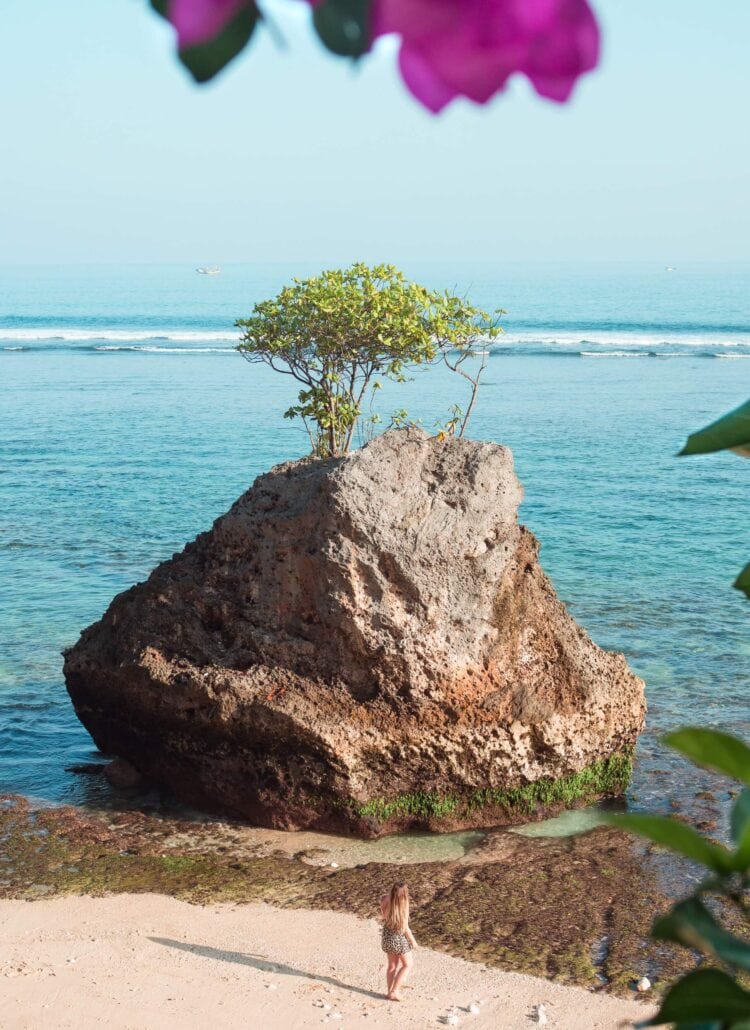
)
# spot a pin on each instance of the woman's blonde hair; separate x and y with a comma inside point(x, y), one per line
point(397, 912)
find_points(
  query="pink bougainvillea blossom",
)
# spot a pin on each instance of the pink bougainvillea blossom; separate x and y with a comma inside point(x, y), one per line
point(199, 21)
point(470, 48)
point(452, 48)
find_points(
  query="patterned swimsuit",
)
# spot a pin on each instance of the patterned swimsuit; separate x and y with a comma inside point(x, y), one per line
point(394, 943)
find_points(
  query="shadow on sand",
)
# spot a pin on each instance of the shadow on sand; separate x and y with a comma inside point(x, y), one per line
point(261, 963)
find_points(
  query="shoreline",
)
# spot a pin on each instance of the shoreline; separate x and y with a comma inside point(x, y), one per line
point(141, 960)
point(574, 910)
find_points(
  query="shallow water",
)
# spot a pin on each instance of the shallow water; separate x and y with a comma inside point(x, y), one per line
point(575, 820)
point(111, 459)
point(402, 849)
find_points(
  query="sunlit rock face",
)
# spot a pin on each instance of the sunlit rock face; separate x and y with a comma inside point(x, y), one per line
point(366, 643)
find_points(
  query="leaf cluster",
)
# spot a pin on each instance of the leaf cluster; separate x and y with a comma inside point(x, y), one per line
point(731, 432)
point(342, 26)
point(708, 998)
point(343, 332)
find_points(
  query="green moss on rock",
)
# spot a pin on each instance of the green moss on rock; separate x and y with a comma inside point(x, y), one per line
point(606, 777)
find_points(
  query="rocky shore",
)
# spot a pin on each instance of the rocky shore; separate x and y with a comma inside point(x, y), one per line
point(366, 643)
point(575, 910)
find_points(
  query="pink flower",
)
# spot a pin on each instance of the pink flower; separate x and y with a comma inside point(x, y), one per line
point(451, 48)
point(470, 48)
point(199, 21)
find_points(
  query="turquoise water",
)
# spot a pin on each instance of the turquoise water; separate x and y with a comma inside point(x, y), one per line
point(127, 424)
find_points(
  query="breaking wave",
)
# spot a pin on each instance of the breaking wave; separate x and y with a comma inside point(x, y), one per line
point(610, 343)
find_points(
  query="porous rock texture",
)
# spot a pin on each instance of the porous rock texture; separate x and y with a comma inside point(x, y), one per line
point(352, 631)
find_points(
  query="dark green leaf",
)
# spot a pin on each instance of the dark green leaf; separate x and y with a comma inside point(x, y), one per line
point(740, 821)
point(720, 751)
point(690, 923)
point(731, 432)
point(207, 59)
point(743, 581)
point(706, 994)
point(713, 1025)
point(344, 26)
point(740, 825)
point(676, 836)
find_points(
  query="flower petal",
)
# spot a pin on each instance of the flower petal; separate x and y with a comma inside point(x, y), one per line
point(421, 80)
point(471, 47)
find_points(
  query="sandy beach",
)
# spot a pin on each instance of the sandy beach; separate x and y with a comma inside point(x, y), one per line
point(132, 962)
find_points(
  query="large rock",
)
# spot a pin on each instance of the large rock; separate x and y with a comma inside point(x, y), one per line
point(366, 642)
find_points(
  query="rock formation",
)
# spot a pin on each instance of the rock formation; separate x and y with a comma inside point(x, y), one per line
point(364, 642)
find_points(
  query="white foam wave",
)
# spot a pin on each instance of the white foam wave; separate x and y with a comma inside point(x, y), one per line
point(589, 343)
point(622, 340)
point(615, 354)
point(167, 350)
point(68, 335)
point(732, 357)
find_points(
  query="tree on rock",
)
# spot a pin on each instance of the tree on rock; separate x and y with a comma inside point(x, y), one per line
point(342, 332)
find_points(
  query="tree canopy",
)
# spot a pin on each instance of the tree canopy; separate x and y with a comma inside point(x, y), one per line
point(341, 333)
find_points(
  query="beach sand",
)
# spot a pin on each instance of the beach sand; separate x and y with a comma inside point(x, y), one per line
point(146, 962)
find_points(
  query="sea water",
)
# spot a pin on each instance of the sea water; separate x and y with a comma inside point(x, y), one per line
point(128, 423)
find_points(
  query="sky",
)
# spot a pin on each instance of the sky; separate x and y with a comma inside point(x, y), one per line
point(111, 153)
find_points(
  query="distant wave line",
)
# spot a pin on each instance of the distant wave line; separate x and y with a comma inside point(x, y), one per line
point(120, 348)
point(620, 339)
point(618, 354)
point(584, 336)
point(532, 349)
point(144, 349)
point(68, 335)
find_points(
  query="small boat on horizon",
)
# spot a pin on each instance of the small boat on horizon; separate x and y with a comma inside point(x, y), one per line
point(208, 271)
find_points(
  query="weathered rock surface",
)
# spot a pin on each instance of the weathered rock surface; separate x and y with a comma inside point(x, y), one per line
point(123, 775)
point(366, 642)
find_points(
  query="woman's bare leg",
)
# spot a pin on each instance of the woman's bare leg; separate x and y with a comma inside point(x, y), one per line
point(390, 975)
point(404, 968)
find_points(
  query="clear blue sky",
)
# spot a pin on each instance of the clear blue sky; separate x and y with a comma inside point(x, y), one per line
point(111, 154)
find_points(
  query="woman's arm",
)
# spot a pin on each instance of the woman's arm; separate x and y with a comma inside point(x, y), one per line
point(410, 937)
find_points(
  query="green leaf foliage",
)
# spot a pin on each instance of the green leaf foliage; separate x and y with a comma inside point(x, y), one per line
point(740, 827)
point(678, 837)
point(731, 432)
point(342, 332)
point(690, 923)
point(707, 995)
point(715, 750)
point(344, 26)
point(743, 581)
point(206, 60)
point(712, 1025)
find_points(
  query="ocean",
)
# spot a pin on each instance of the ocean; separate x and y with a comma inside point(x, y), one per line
point(128, 423)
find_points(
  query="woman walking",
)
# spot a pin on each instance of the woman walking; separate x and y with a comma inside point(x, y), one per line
point(397, 938)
